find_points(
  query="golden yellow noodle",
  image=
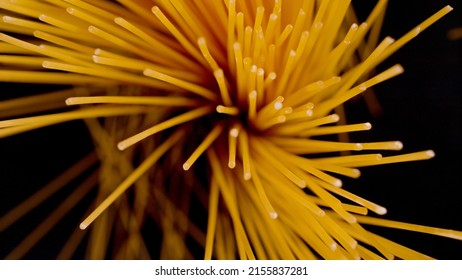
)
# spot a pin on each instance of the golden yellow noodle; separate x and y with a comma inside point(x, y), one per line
point(196, 106)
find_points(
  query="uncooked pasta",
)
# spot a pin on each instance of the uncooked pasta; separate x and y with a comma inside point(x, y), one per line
point(230, 109)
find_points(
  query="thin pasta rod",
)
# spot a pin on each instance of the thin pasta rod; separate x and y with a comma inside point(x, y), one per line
point(199, 90)
point(296, 245)
point(342, 160)
point(338, 129)
point(101, 111)
point(252, 79)
point(179, 20)
point(230, 27)
point(357, 72)
point(13, 130)
point(122, 43)
point(36, 77)
point(267, 156)
point(35, 62)
point(336, 54)
point(215, 16)
point(6, 48)
point(231, 244)
point(133, 177)
point(401, 251)
point(232, 145)
point(337, 100)
point(304, 164)
point(284, 76)
point(270, 63)
point(270, 244)
point(136, 100)
point(454, 234)
point(252, 110)
point(31, 12)
point(96, 21)
point(387, 145)
point(202, 43)
point(270, 175)
point(196, 24)
point(143, 15)
point(367, 254)
point(337, 232)
point(310, 223)
point(67, 55)
point(141, 65)
point(99, 235)
point(262, 194)
point(374, 242)
point(259, 87)
point(63, 42)
point(232, 111)
point(220, 241)
point(212, 220)
point(190, 48)
point(240, 71)
point(260, 11)
point(223, 86)
point(316, 239)
point(424, 155)
point(305, 93)
point(33, 25)
point(116, 9)
point(348, 207)
point(186, 117)
point(375, 18)
point(307, 52)
point(346, 171)
point(91, 8)
point(305, 146)
point(169, 56)
point(107, 74)
point(270, 30)
point(298, 28)
point(69, 25)
point(243, 140)
point(284, 35)
point(380, 210)
point(300, 127)
point(206, 143)
point(348, 58)
point(252, 232)
point(412, 34)
point(41, 107)
point(248, 201)
point(269, 110)
point(299, 114)
point(259, 51)
point(347, 255)
point(275, 244)
point(331, 200)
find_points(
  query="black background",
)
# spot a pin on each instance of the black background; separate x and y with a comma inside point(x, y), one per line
point(420, 107)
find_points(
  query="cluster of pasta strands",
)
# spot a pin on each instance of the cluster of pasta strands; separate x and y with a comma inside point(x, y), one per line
point(252, 84)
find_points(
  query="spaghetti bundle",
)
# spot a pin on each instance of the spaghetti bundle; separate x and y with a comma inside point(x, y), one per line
point(227, 109)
